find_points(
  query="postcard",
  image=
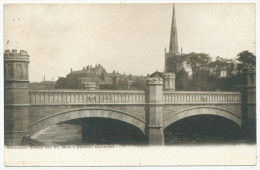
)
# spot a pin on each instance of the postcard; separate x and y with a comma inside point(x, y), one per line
point(129, 84)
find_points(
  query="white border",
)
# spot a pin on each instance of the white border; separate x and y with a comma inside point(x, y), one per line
point(128, 1)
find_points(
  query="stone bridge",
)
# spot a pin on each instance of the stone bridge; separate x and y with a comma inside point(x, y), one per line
point(50, 107)
point(151, 111)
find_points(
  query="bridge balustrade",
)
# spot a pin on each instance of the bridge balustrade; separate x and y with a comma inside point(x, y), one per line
point(60, 97)
point(56, 97)
point(186, 97)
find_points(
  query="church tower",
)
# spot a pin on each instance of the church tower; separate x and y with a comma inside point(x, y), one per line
point(173, 47)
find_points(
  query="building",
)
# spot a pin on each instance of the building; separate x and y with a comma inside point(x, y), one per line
point(173, 46)
point(97, 76)
point(42, 85)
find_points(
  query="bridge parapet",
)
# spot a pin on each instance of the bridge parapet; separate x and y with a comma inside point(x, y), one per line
point(189, 97)
point(80, 97)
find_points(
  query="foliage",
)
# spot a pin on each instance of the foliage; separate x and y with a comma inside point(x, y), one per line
point(60, 83)
point(204, 74)
point(245, 59)
point(139, 84)
point(175, 63)
point(194, 71)
point(198, 62)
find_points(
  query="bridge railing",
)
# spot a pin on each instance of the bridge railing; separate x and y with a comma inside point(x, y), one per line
point(60, 97)
point(76, 97)
point(187, 97)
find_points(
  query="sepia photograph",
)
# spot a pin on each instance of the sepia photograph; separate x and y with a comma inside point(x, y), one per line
point(142, 75)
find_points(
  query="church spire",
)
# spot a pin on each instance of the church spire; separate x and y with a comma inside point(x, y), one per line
point(173, 49)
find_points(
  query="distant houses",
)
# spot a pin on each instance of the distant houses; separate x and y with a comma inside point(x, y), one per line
point(101, 78)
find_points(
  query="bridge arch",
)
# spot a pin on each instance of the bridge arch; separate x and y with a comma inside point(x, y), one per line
point(86, 113)
point(203, 110)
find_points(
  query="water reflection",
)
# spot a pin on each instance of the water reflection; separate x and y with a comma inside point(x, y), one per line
point(91, 131)
point(201, 129)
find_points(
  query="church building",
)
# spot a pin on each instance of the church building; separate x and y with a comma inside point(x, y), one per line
point(173, 46)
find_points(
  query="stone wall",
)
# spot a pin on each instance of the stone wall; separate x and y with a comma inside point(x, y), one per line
point(39, 112)
point(169, 110)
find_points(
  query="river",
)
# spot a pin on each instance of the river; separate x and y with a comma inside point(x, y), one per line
point(69, 134)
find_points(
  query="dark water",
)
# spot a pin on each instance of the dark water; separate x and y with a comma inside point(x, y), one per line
point(108, 131)
point(91, 131)
point(205, 129)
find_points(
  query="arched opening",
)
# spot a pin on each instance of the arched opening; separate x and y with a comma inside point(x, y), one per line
point(92, 130)
point(89, 126)
point(110, 131)
point(203, 129)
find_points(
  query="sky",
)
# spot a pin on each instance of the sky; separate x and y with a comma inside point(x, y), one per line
point(129, 38)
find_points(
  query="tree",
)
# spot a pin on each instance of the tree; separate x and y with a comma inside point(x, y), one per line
point(198, 62)
point(246, 59)
point(61, 83)
point(139, 84)
point(182, 80)
point(216, 67)
point(231, 68)
point(175, 63)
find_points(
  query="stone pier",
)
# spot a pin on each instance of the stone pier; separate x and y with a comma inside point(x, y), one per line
point(249, 104)
point(16, 82)
point(154, 111)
